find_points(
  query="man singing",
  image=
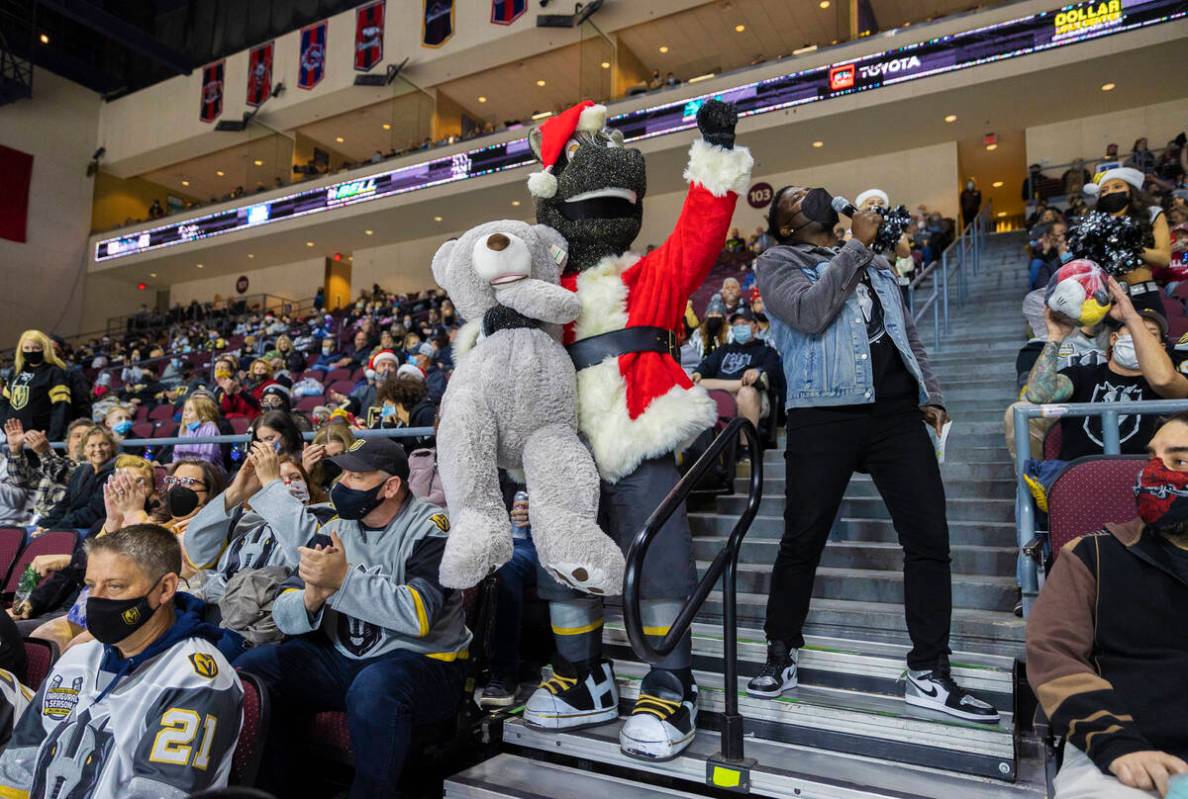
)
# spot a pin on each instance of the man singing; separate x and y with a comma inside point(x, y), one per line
point(859, 392)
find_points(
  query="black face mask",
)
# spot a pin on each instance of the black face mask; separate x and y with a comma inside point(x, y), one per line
point(35, 358)
point(113, 620)
point(353, 504)
point(330, 472)
point(713, 326)
point(1114, 202)
point(760, 317)
point(816, 206)
point(181, 501)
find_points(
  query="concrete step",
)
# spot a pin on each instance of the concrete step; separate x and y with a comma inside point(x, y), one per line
point(840, 663)
point(972, 591)
point(962, 438)
point(507, 775)
point(880, 555)
point(971, 630)
point(956, 508)
point(862, 486)
point(975, 533)
point(997, 470)
point(780, 770)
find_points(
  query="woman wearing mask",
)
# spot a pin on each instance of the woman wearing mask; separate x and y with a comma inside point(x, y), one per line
point(331, 441)
point(38, 393)
point(278, 398)
point(401, 402)
point(713, 332)
point(259, 377)
point(1120, 193)
point(200, 418)
point(82, 505)
point(278, 430)
point(118, 420)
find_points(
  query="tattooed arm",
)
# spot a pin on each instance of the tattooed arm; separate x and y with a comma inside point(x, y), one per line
point(1045, 383)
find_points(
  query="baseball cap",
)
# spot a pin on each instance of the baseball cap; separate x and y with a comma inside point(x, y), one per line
point(742, 313)
point(374, 454)
point(1157, 318)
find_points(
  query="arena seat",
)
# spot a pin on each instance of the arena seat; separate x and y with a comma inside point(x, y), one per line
point(1053, 441)
point(40, 656)
point(143, 430)
point(358, 374)
point(55, 542)
point(161, 412)
point(11, 541)
point(239, 424)
point(253, 735)
point(307, 404)
point(341, 386)
point(142, 413)
point(334, 375)
point(165, 429)
point(1089, 493)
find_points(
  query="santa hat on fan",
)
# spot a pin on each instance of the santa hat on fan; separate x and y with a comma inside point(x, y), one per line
point(1129, 174)
point(554, 135)
point(377, 359)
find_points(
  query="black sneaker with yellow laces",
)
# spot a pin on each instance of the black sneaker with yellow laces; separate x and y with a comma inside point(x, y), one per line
point(664, 719)
point(585, 698)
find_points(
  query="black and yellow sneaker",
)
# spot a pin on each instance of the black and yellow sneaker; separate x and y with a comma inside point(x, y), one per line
point(584, 699)
point(664, 719)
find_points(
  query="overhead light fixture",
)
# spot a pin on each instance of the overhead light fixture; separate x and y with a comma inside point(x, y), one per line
point(663, 48)
point(309, 244)
point(951, 118)
point(368, 232)
point(258, 162)
point(1001, 214)
point(185, 182)
point(220, 172)
point(339, 139)
point(542, 115)
point(438, 219)
point(199, 266)
point(991, 147)
point(516, 203)
point(997, 184)
point(739, 28)
point(806, 49)
point(387, 126)
point(152, 274)
point(700, 78)
point(1108, 87)
point(482, 99)
point(250, 256)
point(824, 4)
point(44, 38)
point(818, 144)
point(540, 83)
point(605, 65)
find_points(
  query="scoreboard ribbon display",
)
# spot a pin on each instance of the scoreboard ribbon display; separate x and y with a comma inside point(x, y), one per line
point(1039, 32)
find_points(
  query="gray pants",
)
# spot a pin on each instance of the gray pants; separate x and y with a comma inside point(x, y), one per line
point(1080, 778)
point(669, 571)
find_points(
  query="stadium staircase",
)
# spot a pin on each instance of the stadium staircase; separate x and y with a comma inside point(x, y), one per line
point(845, 732)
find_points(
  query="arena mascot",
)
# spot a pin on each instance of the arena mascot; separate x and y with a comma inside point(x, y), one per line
point(636, 406)
point(512, 403)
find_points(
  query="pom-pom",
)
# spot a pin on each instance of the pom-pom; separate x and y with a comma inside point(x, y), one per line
point(542, 184)
point(1078, 292)
point(1115, 242)
point(895, 221)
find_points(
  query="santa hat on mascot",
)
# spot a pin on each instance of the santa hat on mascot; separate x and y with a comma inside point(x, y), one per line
point(555, 134)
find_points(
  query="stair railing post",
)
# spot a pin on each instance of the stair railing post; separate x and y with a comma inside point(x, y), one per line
point(1024, 511)
point(732, 723)
point(945, 287)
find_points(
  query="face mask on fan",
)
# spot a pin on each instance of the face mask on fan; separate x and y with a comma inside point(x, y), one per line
point(1161, 494)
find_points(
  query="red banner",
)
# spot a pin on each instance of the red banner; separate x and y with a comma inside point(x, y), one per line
point(17, 169)
point(369, 36)
point(259, 78)
point(212, 92)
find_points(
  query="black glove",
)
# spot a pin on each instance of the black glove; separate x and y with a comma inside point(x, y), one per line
point(716, 121)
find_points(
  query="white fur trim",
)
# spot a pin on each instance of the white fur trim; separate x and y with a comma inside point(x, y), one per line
point(604, 296)
point(1127, 174)
point(620, 443)
point(467, 337)
point(592, 119)
point(718, 169)
point(542, 184)
point(864, 196)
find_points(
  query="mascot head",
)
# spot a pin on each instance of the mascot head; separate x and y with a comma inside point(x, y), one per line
point(591, 189)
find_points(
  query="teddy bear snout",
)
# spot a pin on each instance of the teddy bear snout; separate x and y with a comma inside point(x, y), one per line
point(502, 258)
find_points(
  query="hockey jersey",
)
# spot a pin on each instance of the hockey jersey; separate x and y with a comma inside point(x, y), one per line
point(40, 398)
point(14, 698)
point(160, 725)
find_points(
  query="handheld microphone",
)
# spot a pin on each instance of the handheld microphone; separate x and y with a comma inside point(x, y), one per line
point(844, 206)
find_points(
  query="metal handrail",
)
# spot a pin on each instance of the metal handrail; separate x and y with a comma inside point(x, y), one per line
point(1111, 413)
point(724, 566)
point(964, 250)
point(241, 438)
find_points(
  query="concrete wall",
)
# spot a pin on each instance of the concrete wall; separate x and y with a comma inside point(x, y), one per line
point(1087, 137)
point(295, 281)
point(42, 279)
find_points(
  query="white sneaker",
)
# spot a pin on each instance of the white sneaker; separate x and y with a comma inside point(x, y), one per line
point(937, 690)
point(659, 727)
point(778, 674)
point(564, 702)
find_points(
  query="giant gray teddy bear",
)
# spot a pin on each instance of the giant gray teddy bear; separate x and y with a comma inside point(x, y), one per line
point(512, 403)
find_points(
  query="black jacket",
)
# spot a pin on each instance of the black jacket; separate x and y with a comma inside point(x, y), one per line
point(61, 588)
point(83, 504)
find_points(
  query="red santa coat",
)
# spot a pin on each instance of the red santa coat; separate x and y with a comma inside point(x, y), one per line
point(642, 405)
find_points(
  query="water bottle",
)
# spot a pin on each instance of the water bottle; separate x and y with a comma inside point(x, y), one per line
point(520, 499)
point(29, 581)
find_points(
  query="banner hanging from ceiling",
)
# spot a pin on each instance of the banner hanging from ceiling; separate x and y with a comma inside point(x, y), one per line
point(312, 58)
point(212, 91)
point(259, 79)
point(505, 12)
point(438, 23)
point(369, 36)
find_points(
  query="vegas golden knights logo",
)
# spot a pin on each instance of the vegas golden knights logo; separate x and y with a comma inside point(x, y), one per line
point(357, 445)
point(204, 665)
point(441, 521)
point(131, 616)
point(20, 397)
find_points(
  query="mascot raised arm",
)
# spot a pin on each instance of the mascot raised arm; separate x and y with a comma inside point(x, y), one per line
point(636, 406)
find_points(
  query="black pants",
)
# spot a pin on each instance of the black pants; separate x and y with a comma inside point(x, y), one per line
point(898, 454)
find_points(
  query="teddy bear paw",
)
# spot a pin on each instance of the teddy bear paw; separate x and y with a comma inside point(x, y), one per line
point(475, 548)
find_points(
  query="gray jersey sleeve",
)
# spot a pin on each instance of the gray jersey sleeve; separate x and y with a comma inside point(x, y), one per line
point(18, 762)
point(371, 595)
point(292, 522)
point(207, 534)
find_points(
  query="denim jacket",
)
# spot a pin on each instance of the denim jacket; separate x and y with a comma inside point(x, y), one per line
point(819, 330)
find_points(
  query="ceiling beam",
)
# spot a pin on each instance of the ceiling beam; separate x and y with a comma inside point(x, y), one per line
point(121, 32)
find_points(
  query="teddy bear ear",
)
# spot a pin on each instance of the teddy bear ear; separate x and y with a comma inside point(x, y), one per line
point(441, 260)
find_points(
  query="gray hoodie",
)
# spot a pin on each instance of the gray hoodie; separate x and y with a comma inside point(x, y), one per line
point(391, 598)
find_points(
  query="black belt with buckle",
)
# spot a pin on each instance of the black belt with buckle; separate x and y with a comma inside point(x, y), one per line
point(596, 349)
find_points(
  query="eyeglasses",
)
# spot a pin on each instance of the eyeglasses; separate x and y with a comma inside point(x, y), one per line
point(187, 482)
